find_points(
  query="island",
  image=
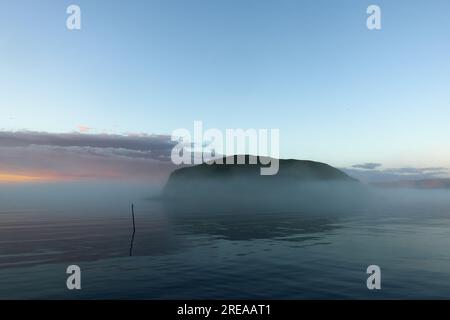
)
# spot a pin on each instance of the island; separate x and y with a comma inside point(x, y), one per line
point(299, 185)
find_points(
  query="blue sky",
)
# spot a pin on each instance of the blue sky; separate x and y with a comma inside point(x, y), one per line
point(338, 92)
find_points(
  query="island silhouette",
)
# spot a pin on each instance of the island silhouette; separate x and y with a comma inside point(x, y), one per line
point(300, 185)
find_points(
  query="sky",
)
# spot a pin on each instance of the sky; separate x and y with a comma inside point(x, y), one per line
point(338, 92)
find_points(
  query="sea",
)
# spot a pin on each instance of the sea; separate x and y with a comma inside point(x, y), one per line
point(45, 228)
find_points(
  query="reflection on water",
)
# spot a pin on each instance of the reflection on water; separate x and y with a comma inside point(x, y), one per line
point(237, 226)
point(228, 255)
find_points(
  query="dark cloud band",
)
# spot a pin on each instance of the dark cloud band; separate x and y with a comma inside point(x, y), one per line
point(87, 155)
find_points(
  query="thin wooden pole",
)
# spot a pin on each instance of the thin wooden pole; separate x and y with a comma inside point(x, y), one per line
point(134, 230)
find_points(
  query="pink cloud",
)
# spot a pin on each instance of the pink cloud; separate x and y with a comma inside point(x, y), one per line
point(84, 129)
point(77, 156)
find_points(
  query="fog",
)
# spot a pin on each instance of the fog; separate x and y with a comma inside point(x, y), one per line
point(78, 198)
point(240, 210)
point(209, 198)
point(236, 210)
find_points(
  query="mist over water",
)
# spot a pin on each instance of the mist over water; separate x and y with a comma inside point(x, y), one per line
point(320, 249)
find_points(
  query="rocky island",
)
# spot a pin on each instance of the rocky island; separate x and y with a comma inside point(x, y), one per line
point(299, 185)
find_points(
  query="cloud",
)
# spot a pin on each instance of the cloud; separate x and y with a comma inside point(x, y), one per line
point(84, 129)
point(397, 174)
point(367, 166)
point(86, 156)
point(156, 143)
point(418, 171)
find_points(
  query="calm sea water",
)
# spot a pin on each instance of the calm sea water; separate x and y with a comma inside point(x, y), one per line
point(261, 255)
